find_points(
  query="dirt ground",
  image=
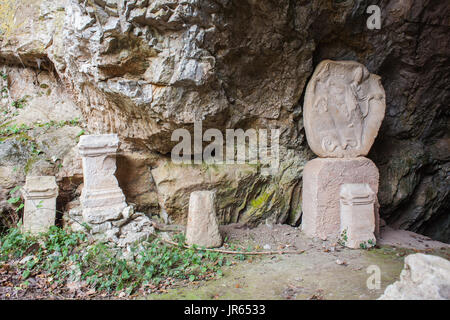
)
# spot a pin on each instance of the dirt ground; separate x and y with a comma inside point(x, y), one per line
point(325, 270)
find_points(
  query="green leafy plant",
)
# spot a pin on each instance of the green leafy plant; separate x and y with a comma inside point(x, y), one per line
point(343, 238)
point(16, 200)
point(35, 149)
point(14, 244)
point(14, 129)
point(80, 133)
point(68, 256)
point(20, 103)
point(366, 245)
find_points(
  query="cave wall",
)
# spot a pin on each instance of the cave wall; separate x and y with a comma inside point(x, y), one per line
point(144, 68)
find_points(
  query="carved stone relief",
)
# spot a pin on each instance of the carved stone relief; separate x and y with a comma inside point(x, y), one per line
point(343, 110)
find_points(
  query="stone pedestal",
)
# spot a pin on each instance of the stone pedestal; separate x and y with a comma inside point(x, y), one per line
point(40, 194)
point(202, 227)
point(357, 215)
point(322, 180)
point(102, 199)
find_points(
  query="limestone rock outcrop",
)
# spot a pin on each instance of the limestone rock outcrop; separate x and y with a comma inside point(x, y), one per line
point(144, 68)
point(424, 277)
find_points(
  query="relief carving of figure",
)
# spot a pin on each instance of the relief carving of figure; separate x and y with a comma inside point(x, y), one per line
point(344, 107)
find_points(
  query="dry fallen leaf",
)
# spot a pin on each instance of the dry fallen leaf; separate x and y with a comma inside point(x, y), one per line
point(74, 285)
point(90, 292)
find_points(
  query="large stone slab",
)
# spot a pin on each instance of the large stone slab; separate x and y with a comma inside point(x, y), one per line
point(357, 215)
point(424, 277)
point(40, 194)
point(322, 181)
point(202, 227)
point(101, 198)
point(343, 110)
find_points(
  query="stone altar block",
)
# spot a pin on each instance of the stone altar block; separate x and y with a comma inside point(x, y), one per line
point(357, 215)
point(322, 180)
point(40, 194)
point(202, 227)
point(102, 199)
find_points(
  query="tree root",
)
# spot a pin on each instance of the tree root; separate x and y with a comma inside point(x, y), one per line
point(234, 252)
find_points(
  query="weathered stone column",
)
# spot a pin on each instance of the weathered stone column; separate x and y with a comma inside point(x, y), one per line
point(357, 215)
point(40, 194)
point(102, 200)
point(202, 227)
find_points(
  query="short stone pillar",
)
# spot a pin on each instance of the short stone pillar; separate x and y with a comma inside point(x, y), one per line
point(102, 199)
point(202, 227)
point(40, 194)
point(357, 215)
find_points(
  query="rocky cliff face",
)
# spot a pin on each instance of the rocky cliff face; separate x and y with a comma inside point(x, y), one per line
point(145, 68)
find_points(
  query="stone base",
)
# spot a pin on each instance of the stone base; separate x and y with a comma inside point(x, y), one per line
point(322, 179)
point(102, 205)
point(103, 214)
point(39, 215)
point(102, 198)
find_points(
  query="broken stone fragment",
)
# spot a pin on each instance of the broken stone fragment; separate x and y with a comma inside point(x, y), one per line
point(202, 227)
point(357, 215)
point(138, 229)
point(424, 277)
point(100, 228)
point(40, 194)
point(74, 220)
point(134, 237)
point(128, 212)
